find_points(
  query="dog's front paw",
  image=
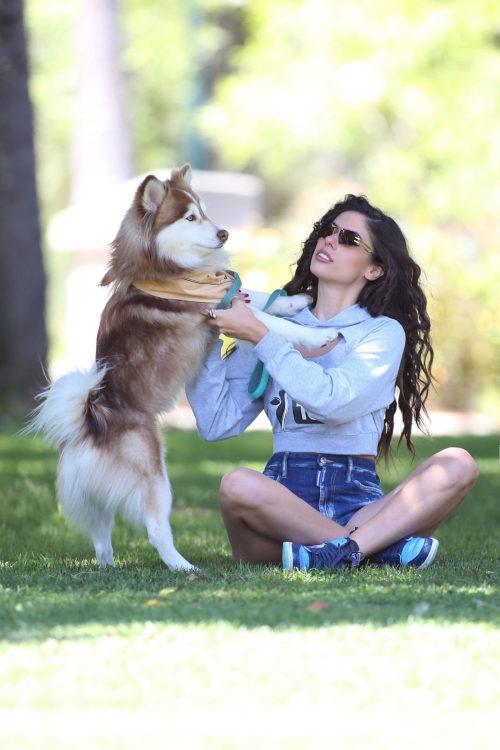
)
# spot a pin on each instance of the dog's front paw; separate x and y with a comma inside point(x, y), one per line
point(312, 338)
point(289, 305)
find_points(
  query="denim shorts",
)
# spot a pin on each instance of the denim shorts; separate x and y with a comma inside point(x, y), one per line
point(333, 484)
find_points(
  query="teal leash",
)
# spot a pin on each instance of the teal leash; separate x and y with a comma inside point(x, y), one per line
point(260, 376)
point(231, 292)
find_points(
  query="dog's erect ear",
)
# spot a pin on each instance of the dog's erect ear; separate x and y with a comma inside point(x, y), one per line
point(184, 173)
point(154, 193)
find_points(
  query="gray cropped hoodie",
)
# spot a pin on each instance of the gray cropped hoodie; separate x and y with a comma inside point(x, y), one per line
point(331, 403)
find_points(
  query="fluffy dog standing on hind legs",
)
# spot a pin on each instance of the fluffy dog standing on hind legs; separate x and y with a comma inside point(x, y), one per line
point(152, 338)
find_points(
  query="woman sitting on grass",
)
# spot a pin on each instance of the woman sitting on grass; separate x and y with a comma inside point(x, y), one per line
point(318, 503)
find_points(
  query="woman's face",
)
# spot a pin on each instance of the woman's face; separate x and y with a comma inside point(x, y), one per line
point(345, 264)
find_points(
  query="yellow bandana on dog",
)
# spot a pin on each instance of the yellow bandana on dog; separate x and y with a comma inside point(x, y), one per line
point(205, 286)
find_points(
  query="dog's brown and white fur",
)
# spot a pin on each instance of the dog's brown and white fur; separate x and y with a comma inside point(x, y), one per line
point(104, 421)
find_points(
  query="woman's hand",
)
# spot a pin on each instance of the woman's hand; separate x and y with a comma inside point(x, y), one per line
point(238, 322)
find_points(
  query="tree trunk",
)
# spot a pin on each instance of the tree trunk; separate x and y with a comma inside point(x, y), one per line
point(23, 339)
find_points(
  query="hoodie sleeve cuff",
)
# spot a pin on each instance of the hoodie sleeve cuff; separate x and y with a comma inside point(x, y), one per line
point(270, 345)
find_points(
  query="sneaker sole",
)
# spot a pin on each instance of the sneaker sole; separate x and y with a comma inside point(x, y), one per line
point(287, 556)
point(432, 554)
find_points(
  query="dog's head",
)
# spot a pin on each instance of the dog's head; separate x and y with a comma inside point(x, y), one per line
point(165, 232)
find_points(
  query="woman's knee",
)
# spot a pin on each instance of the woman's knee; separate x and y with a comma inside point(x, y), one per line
point(461, 467)
point(239, 488)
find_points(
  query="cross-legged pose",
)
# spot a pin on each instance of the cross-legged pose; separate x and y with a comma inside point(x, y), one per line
point(319, 502)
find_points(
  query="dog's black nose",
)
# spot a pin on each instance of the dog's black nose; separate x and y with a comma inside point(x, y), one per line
point(222, 235)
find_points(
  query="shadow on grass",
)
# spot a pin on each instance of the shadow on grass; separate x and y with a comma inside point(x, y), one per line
point(65, 600)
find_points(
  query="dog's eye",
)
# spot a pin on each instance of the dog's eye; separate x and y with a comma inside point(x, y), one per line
point(191, 217)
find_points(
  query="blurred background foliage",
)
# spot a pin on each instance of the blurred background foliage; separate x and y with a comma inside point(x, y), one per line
point(397, 99)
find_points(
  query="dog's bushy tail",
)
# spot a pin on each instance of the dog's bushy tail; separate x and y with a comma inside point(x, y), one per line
point(70, 408)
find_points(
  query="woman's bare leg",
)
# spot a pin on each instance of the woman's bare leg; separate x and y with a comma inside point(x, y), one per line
point(260, 513)
point(418, 505)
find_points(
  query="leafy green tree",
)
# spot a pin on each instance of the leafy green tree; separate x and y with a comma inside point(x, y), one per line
point(399, 100)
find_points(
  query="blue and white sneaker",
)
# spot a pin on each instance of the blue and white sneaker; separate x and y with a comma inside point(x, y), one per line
point(416, 551)
point(334, 554)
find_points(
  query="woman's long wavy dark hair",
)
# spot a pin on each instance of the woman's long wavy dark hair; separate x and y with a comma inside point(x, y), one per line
point(397, 294)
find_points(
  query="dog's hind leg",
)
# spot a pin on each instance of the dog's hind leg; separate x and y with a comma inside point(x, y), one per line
point(100, 529)
point(80, 477)
point(157, 511)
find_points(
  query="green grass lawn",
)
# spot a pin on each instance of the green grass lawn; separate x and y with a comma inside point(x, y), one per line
point(141, 655)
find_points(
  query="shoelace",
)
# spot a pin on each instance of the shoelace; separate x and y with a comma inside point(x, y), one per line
point(330, 556)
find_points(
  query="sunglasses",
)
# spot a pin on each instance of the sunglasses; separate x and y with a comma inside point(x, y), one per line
point(346, 236)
